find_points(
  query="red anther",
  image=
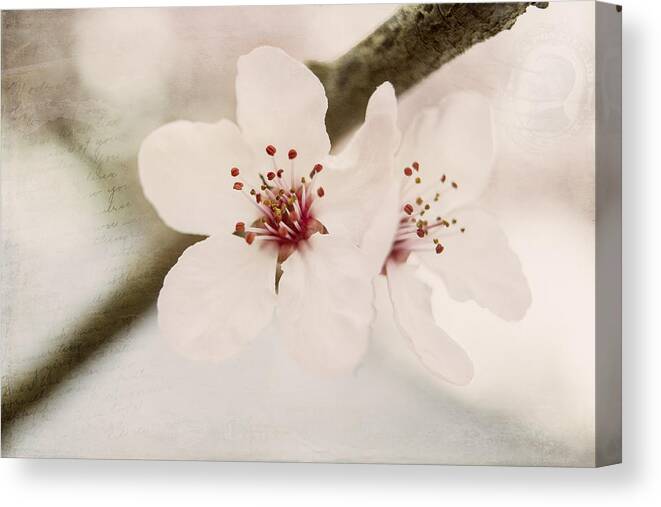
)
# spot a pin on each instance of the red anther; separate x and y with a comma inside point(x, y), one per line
point(250, 237)
point(292, 154)
point(270, 150)
point(235, 171)
point(270, 175)
point(416, 166)
point(318, 168)
point(320, 191)
point(439, 248)
point(238, 185)
point(280, 171)
point(420, 233)
point(408, 209)
point(258, 198)
point(408, 171)
point(240, 227)
point(443, 179)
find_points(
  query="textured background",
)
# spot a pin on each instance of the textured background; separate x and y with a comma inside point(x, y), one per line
point(80, 91)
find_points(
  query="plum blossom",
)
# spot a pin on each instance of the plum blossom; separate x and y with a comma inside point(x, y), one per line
point(279, 239)
point(428, 214)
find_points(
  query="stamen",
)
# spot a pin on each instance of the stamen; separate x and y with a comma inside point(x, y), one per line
point(414, 227)
point(292, 154)
point(285, 207)
point(270, 228)
point(315, 170)
point(289, 229)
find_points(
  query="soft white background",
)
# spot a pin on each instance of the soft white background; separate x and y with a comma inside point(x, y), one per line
point(110, 483)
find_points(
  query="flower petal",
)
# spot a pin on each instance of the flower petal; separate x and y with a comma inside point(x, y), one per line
point(219, 295)
point(280, 102)
point(411, 302)
point(185, 173)
point(362, 196)
point(325, 304)
point(380, 119)
point(454, 138)
point(480, 265)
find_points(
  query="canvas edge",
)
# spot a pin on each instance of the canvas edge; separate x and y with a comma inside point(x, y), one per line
point(608, 244)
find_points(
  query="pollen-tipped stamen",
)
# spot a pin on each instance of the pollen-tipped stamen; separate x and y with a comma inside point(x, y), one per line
point(286, 216)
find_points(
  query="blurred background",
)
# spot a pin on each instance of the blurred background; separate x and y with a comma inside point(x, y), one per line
point(81, 89)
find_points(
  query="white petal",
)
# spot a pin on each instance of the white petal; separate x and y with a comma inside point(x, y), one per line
point(185, 173)
point(378, 237)
point(325, 304)
point(361, 194)
point(219, 295)
point(280, 102)
point(380, 120)
point(454, 138)
point(480, 265)
point(411, 302)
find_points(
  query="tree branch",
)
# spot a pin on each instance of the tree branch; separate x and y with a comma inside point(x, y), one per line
point(404, 50)
point(414, 42)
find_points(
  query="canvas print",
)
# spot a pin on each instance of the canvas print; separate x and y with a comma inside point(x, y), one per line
point(327, 233)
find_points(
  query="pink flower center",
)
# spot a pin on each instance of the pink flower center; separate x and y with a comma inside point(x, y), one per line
point(286, 215)
point(419, 228)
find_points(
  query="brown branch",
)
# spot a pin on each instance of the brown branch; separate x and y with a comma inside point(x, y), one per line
point(93, 333)
point(409, 46)
point(404, 50)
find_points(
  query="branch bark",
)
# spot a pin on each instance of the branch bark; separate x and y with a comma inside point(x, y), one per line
point(412, 44)
point(409, 46)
